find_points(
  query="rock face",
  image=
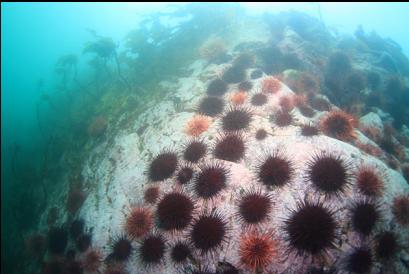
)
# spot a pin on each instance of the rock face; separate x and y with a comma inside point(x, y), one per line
point(121, 176)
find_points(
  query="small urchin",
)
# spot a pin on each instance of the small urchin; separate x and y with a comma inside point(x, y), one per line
point(209, 231)
point(210, 180)
point(163, 166)
point(359, 261)
point(282, 118)
point(369, 182)
point(311, 228)
point(329, 173)
point(386, 245)
point(400, 209)
point(151, 194)
point(229, 147)
point(257, 250)
point(236, 118)
point(181, 252)
point(184, 175)
point(275, 169)
point(259, 99)
point(254, 207)
point(174, 211)
point(122, 249)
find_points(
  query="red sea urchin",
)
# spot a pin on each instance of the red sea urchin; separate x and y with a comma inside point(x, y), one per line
point(152, 250)
point(257, 250)
point(163, 166)
point(211, 179)
point(311, 228)
point(369, 182)
point(194, 151)
point(211, 106)
point(365, 215)
point(329, 173)
point(208, 232)
point(338, 124)
point(254, 207)
point(229, 147)
point(276, 170)
point(236, 119)
point(174, 211)
point(139, 222)
point(400, 210)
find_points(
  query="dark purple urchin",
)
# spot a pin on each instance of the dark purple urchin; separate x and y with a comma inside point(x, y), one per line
point(245, 86)
point(236, 119)
point(152, 249)
point(211, 106)
point(359, 261)
point(386, 246)
point(208, 231)
point(282, 118)
point(217, 87)
point(365, 215)
point(163, 166)
point(309, 130)
point(311, 228)
point(83, 242)
point(229, 147)
point(329, 173)
point(184, 175)
point(57, 240)
point(121, 249)
point(174, 211)
point(261, 134)
point(254, 207)
point(258, 99)
point(234, 74)
point(275, 170)
point(306, 110)
point(180, 252)
point(76, 228)
point(211, 179)
point(194, 151)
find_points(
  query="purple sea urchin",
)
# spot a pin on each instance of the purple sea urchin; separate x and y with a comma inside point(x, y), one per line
point(217, 87)
point(365, 215)
point(329, 173)
point(311, 228)
point(386, 245)
point(194, 151)
point(208, 232)
point(261, 134)
point(359, 261)
point(400, 210)
point(83, 242)
point(254, 207)
point(369, 183)
point(57, 240)
point(152, 249)
point(211, 106)
point(236, 119)
point(174, 211)
point(210, 180)
point(275, 170)
point(283, 118)
point(184, 175)
point(180, 252)
point(309, 130)
point(163, 166)
point(258, 99)
point(121, 249)
point(229, 147)
point(151, 194)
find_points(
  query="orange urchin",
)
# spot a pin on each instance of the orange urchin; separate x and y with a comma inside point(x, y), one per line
point(257, 250)
point(339, 124)
point(197, 125)
point(139, 222)
point(270, 85)
point(238, 98)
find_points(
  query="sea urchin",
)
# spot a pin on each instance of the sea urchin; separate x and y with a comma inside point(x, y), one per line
point(257, 250)
point(163, 166)
point(174, 211)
